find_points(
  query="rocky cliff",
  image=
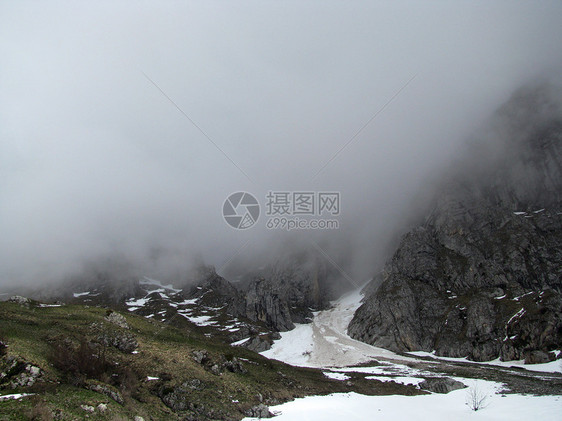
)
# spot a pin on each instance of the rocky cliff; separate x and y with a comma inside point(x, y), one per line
point(482, 275)
point(278, 295)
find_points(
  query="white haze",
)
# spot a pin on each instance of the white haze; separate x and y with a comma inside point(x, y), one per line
point(95, 161)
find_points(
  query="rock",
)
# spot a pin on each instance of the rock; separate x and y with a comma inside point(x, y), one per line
point(201, 357)
point(105, 390)
point(124, 341)
point(88, 408)
point(216, 370)
point(102, 407)
point(234, 366)
point(276, 297)
point(18, 299)
point(193, 384)
point(259, 411)
point(264, 303)
point(15, 372)
point(212, 290)
point(34, 371)
point(260, 343)
point(480, 275)
point(538, 357)
point(138, 418)
point(285, 292)
point(117, 319)
point(441, 385)
point(175, 398)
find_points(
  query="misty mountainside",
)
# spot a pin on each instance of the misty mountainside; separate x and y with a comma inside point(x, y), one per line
point(481, 277)
point(254, 307)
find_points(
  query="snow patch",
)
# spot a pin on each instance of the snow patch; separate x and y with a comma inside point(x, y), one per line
point(550, 367)
point(149, 281)
point(398, 379)
point(141, 302)
point(15, 396)
point(336, 376)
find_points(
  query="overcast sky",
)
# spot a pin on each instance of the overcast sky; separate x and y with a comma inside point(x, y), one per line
point(96, 160)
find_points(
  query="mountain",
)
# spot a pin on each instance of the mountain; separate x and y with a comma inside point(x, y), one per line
point(254, 307)
point(480, 277)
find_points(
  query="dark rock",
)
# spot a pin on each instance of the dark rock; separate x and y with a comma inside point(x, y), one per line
point(538, 357)
point(260, 343)
point(441, 385)
point(264, 303)
point(175, 398)
point(285, 292)
point(234, 366)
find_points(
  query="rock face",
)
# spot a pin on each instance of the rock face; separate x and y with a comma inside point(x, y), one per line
point(276, 297)
point(285, 293)
point(482, 275)
point(15, 372)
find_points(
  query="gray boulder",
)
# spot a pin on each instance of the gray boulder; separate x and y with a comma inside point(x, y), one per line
point(441, 385)
point(259, 411)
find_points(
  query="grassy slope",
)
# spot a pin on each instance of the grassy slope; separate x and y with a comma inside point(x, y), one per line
point(165, 351)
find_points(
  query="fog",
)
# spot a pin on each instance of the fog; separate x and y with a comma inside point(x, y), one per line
point(125, 125)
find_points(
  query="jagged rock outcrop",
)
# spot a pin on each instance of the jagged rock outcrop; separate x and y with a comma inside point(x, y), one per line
point(277, 297)
point(212, 290)
point(286, 292)
point(482, 275)
point(16, 372)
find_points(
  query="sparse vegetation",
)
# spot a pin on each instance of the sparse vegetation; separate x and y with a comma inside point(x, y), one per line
point(78, 369)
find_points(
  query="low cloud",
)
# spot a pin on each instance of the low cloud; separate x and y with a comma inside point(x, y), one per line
point(125, 127)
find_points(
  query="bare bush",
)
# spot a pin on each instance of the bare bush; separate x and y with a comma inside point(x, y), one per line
point(476, 398)
point(87, 360)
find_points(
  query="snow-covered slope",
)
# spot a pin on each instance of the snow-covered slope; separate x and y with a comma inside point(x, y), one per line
point(325, 342)
point(434, 407)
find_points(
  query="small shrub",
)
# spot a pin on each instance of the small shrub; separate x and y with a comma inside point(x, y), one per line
point(39, 411)
point(87, 360)
point(476, 398)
